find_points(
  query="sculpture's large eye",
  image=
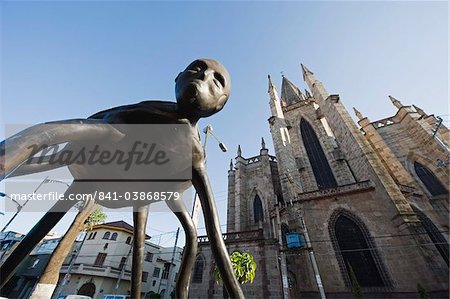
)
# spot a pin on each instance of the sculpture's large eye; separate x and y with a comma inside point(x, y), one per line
point(197, 66)
point(219, 78)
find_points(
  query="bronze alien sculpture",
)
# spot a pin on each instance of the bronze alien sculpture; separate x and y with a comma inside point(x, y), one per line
point(202, 90)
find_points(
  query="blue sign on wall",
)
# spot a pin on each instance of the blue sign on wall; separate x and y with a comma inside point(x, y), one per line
point(295, 240)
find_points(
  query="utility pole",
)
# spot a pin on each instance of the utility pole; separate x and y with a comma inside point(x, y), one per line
point(285, 283)
point(66, 278)
point(171, 268)
point(20, 207)
point(122, 271)
point(313, 260)
point(310, 249)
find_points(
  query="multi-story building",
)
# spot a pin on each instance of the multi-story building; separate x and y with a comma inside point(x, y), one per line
point(100, 264)
point(103, 264)
point(373, 200)
point(8, 241)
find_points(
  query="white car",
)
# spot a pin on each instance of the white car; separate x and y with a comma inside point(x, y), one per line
point(116, 297)
point(74, 297)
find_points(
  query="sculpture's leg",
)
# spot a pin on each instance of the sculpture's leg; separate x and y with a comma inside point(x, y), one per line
point(190, 248)
point(34, 236)
point(201, 184)
point(140, 222)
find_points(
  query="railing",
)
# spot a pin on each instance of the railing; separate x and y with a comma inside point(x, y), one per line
point(96, 270)
point(383, 122)
point(257, 159)
point(339, 190)
point(252, 160)
point(251, 235)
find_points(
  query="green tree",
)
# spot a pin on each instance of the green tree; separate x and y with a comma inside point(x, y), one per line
point(355, 284)
point(422, 292)
point(96, 217)
point(244, 267)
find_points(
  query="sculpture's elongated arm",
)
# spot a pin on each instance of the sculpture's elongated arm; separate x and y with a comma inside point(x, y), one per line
point(20, 147)
point(203, 188)
point(37, 165)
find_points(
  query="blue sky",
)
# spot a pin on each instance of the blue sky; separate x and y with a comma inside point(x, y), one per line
point(63, 60)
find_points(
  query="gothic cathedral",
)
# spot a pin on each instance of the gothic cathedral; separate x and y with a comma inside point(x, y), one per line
point(370, 203)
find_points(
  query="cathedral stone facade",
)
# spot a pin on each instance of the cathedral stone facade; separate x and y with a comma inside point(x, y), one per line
point(372, 202)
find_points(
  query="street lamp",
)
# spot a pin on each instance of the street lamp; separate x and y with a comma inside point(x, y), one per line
point(195, 209)
point(196, 206)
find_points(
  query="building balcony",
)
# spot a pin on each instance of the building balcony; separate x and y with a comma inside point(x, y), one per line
point(94, 270)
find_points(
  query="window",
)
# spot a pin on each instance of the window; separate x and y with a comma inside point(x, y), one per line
point(197, 277)
point(105, 246)
point(90, 236)
point(154, 283)
point(319, 163)
point(156, 272)
point(128, 241)
point(122, 262)
point(430, 181)
point(258, 209)
point(434, 234)
point(93, 236)
point(100, 259)
point(356, 253)
point(144, 276)
point(149, 256)
point(114, 236)
point(106, 235)
point(165, 274)
point(35, 262)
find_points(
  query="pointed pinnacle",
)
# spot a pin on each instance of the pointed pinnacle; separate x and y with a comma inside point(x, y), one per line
point(306, 71)
point(419, 110)
point(263, 143)
point(396, 102)
point(231, 164)
point(239, 151)
point(271, 86)
point(358, 114)
point(308, 95)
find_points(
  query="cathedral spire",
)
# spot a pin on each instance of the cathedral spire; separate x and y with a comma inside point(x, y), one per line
point(263, 143)
point(275, 103)
point(290, 93)
point(396, 102)
point(239, 151)
point(306, 72)
point(358, 114)
point(231, 164)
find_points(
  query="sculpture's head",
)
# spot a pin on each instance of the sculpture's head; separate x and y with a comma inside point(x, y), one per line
point(203, 88)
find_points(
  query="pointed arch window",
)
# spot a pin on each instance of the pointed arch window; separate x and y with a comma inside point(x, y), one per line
point(197, 277)
point(431, 182)
point(258, 209)
point(434, 234)
point(319, 163)
point(356, 253)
